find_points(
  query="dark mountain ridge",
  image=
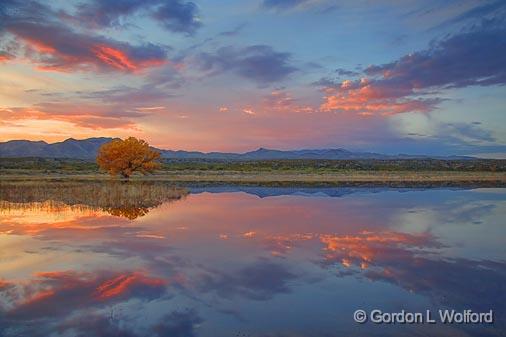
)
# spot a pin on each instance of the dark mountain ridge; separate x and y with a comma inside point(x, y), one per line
point(88, 148)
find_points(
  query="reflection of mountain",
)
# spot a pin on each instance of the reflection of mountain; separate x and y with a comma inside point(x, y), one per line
point(129, 200)
point(264, 192)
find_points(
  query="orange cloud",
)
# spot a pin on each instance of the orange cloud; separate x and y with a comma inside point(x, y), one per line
point(114, 57)
point(4, 57)
point(120, 60)
point(58, 48)
point(282, 101)
point(248, 111)
point(91, 116)
point(367, 98)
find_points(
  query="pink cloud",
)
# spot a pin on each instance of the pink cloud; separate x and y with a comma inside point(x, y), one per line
point(54, 47)
point(368, 98)
point(282, 101)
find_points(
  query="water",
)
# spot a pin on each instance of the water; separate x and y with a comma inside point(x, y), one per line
point(254, 262)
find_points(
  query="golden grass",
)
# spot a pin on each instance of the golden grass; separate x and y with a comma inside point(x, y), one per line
point(266, 178)
point(127, 199)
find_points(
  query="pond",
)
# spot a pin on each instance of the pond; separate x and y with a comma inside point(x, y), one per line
point(250, 261)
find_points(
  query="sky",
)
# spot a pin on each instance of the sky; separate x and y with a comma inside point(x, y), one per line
point(389, 76)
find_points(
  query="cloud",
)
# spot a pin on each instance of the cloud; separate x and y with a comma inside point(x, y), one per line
point(178, 16)
point(469, 58)
point(466, 131)
point(55, 46)
point(346, 72)
point(283, 4)
point(4, 56)
point(491, 10)
point(366, 98)
point(259, 63)
point(282, 101)
point(93, 116)
point(174, 15)
point(107, 13)
point(235, 31)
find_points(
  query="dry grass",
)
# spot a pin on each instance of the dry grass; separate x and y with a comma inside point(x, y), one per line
point(408, 178)
point(129, 200)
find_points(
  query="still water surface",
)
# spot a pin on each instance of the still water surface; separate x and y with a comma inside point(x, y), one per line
point(254, 262)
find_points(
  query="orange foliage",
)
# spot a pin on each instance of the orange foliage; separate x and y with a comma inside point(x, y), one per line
point(127, 156)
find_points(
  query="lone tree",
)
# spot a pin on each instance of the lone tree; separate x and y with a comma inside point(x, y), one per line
point(127, 156)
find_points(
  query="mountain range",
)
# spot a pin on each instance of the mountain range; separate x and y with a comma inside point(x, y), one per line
point(88, 148)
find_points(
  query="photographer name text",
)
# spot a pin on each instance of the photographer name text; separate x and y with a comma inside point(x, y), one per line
point(445, 316)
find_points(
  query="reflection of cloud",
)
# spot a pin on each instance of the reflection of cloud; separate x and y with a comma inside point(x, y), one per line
point(229, 276)
point(94, 324)
point(174, 324)
point(178, 324)
point(54, 294)
point(365, 247)
point(258, 281)
point(122, 284)
point(458, 283)
point(401, 259)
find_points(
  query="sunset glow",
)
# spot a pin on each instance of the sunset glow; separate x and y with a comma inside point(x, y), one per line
point(224, 77)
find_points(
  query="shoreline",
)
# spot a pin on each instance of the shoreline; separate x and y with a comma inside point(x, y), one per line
point(327, 179)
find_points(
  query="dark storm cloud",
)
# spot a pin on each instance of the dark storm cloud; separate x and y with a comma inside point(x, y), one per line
point(258, 63)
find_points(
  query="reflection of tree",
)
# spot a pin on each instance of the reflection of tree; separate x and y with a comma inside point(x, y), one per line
point(129, 213)
point(130, 200)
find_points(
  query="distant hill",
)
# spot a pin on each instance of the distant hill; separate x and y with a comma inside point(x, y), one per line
point(87, 149)
point(70, 148)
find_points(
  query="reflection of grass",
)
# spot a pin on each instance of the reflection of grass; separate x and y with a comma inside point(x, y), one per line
point(129, 200)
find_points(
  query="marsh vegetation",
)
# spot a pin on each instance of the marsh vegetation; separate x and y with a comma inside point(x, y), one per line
point(130, 200)
point(407, 172)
